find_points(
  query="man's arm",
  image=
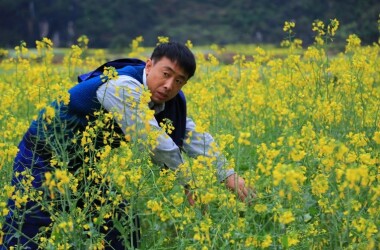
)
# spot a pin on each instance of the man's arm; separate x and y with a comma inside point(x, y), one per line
point(196, 144)
point(120, 96)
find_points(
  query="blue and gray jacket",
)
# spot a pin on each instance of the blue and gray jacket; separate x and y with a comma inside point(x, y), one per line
point(43, 140)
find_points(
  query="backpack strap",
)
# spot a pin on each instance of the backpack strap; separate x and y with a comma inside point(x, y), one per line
point(118, 64)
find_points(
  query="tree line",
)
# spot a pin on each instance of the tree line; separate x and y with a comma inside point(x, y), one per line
point(114, 23)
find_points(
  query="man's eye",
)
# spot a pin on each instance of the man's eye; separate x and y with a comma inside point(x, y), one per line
point(178, 81)
point(166, 74)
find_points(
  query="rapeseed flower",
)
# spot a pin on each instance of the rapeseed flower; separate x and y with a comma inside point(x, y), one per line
point(286, 217)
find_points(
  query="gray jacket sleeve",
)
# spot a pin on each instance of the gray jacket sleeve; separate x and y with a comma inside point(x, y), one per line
point(196, 144)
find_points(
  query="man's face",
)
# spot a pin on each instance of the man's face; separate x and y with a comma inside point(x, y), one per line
point(164, 79)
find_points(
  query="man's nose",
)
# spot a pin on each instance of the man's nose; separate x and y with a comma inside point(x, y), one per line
point(169, 84)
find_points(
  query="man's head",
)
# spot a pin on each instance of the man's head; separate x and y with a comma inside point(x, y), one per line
point(168, 70)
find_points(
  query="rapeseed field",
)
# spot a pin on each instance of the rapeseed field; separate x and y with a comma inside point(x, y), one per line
point(302, 128)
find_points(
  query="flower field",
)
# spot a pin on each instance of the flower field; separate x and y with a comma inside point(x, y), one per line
point(302, 128)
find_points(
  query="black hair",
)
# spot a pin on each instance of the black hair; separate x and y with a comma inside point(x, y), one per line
point(178, 53)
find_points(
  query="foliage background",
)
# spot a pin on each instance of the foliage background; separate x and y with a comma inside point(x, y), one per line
point(115, 23)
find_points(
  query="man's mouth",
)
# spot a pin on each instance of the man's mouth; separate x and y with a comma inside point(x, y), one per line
point(162, 95)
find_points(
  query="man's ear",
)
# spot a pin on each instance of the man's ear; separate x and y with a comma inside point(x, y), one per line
point(148, 65)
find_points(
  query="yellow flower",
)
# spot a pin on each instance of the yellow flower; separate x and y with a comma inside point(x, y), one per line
point(251, 242)
point(4, 210)
point(208, 197)
point(333, 27)
point(189, 44)
point(367, 159)
point(49, 114)
point(286, 217)
point(376, 137)
point(109, 73)
point(267, 242)
point(320, 185)
point(244, 138)
point(155, 206)
point(288, 26)
point(297, 155)
point(260, 208)
point(353, 42)
point(162, 39)
point(177, 199)
point(136, 49)
point(293, 240)
point(83, 41)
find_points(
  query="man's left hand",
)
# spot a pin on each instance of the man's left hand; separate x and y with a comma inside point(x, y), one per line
point(238, 185)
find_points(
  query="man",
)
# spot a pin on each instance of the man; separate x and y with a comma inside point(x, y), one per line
point(170, 67)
